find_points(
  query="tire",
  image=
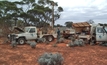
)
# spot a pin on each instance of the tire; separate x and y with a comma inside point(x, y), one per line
point(21, 41)
point(50, 38)
point(44, 39)
point(92, 41)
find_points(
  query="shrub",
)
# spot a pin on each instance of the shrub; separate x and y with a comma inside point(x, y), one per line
point(51, 59)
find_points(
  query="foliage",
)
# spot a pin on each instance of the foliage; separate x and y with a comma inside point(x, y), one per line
point(50, 59)
point(61, 40)
point(33, 44)
point(13, 44)
point(68, 24)
point(77, 42)
point(58, 25)
point(29, 12)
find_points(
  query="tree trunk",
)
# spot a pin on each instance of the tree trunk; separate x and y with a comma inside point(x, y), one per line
point(52, 15)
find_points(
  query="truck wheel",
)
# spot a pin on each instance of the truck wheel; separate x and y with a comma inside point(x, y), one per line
point(50, 38)
point(21, 41)
point(44, 39)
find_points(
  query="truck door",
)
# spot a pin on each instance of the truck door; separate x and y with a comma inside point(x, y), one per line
point(32, 33)
point(100, 34)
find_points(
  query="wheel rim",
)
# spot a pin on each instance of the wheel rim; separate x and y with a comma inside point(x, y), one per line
point(50, 38)
point(44, 39)
point(21, 41)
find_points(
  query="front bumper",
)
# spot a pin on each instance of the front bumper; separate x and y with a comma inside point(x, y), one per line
point(12, 37)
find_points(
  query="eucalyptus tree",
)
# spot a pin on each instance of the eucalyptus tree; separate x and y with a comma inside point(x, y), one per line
point(53, 10)
point(39, 13)
point(29, 11)
point(9, 11)
point(42, 11)
point(26, 5)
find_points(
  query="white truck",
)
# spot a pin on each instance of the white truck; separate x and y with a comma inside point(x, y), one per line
point(91, 33)
point(99, 33)
point(30, 33)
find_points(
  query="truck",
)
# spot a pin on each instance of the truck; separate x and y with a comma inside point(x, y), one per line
point(96, 32)
point(30, 33)
point(82, 30)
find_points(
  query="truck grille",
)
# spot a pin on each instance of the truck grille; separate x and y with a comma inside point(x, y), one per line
point(12, 37)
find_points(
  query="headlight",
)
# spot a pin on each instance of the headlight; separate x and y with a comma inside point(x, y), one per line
point(8, 35)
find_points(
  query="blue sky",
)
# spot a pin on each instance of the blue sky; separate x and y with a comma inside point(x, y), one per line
point(82, 10)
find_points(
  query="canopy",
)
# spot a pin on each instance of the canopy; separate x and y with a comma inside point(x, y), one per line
point(81, 24)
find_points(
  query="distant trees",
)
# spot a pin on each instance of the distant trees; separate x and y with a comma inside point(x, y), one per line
point(90, 21)
point(102, 24)
point(68, 24)
point(58, 25)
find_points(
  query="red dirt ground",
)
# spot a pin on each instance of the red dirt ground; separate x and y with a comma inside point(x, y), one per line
point(25, 55)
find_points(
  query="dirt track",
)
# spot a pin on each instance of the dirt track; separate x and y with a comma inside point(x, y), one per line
point(25, 55)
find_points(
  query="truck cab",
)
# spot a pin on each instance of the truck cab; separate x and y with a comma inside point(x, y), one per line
point(101, 34)
point(30, 33)
point(98, 33)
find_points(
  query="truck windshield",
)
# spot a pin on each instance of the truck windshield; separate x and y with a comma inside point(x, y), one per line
point(26, 29)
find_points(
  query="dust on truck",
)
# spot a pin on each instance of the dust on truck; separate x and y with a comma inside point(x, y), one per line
point(31, 33)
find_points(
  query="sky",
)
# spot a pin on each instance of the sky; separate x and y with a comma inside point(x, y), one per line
point(82, 10)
